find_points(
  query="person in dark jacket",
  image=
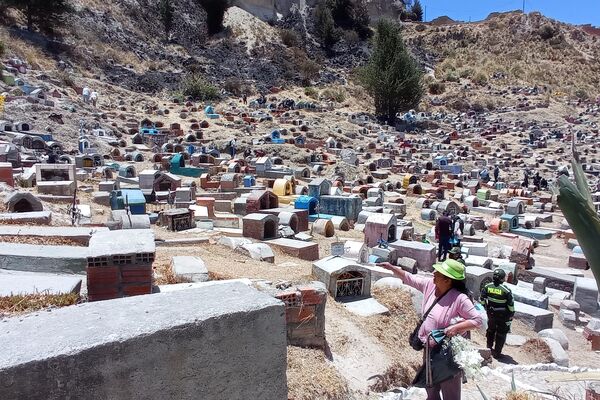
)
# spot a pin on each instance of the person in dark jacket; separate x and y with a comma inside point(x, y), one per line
point(500, 307)
point(443, 233)
point(456, 254)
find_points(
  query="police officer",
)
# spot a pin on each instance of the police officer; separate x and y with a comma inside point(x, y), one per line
point(500, 307)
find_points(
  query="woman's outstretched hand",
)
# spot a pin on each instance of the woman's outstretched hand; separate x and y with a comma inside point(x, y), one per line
point(396, 270)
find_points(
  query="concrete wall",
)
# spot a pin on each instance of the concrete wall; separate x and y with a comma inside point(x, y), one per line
point(216, 342)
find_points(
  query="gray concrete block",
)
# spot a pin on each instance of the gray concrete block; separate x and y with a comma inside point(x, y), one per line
point(559, 355)
point(189, 268)
point(568, 318)
point(213, 343)
point(477, 278)
point(37, 258)
point(259, 251)
point(33, 217)
point(18, 282)
point(408, 264)
point(528, 296)
point(571, 305)
point(586, 294)
point(536, 318)
point(366, 307)
point(557, 335)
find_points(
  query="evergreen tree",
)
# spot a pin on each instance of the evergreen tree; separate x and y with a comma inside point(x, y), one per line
point(325, 25)
point(417, 11)
point(361, 19)
point(391, 75)
point(166, 15)
point(40, 13)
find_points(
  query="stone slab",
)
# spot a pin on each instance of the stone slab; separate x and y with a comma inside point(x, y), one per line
point(34, 217)
point(189, 268)
point(586, 294)
point(536, 318)
point(216, 342)
point(423, 253)
point(366, 307)
point(537, 234)
point(78, 234)
point(19, 283)
point(38, 258)
point(304, 250)
point(529, 296)
point(195, 285)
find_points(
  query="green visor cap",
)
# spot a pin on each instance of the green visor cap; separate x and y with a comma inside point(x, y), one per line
point(451, 268)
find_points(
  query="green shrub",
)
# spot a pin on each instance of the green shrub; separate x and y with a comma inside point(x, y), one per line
point(581, 94)
point(311, 92)
point(308, 69)
point(437, 88)
point(547, 32)
point(351, 37)
point(234, 85)
point(451, 76)
point(290, 38)
point(420, 28)
point(466, 73)
point(2, 49)
point(336, 95)
point(480, 79)
point(196, 87)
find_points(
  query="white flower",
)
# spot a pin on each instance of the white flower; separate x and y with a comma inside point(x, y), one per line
point(466, 356)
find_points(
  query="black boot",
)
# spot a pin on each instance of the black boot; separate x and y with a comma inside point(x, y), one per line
point(500, 340)
point(490, 339)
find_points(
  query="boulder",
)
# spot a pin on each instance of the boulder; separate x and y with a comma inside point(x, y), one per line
point(559, 355)
point(557, 335)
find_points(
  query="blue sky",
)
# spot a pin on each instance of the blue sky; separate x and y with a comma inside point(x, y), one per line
point(574, 11)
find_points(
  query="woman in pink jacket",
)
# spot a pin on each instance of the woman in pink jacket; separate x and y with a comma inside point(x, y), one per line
point(454, 313)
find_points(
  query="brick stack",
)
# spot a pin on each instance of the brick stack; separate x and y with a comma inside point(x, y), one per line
point(305, 315)
point(117, 276)
point(119, 264)
point(6, 173)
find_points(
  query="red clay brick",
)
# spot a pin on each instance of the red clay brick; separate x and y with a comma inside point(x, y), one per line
point(310, 296)
point(103, 275)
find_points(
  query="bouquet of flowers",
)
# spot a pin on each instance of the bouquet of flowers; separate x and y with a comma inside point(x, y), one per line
point(466, 356)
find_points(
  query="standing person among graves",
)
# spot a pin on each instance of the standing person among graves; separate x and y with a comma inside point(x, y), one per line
point(500, 307)
point(496, 173)
point(525, 183)
point(443, 233)
point(232, 148)
point(485, 175)
point(456, 255)
point(536, 180)
point(86, 94)
point(458, 229)
point(245, 98)
point(446, 306)
point(94, 98)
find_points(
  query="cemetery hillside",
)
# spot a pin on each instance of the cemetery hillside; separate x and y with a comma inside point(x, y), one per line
point(297, 199)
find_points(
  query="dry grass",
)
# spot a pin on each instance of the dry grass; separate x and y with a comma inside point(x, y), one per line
point(394, 329)
point(520, 396)
point(311, 377)
point(397, 375)
point(34, 56)
point(538, 349)
point(19, 304)
point(46, 241)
